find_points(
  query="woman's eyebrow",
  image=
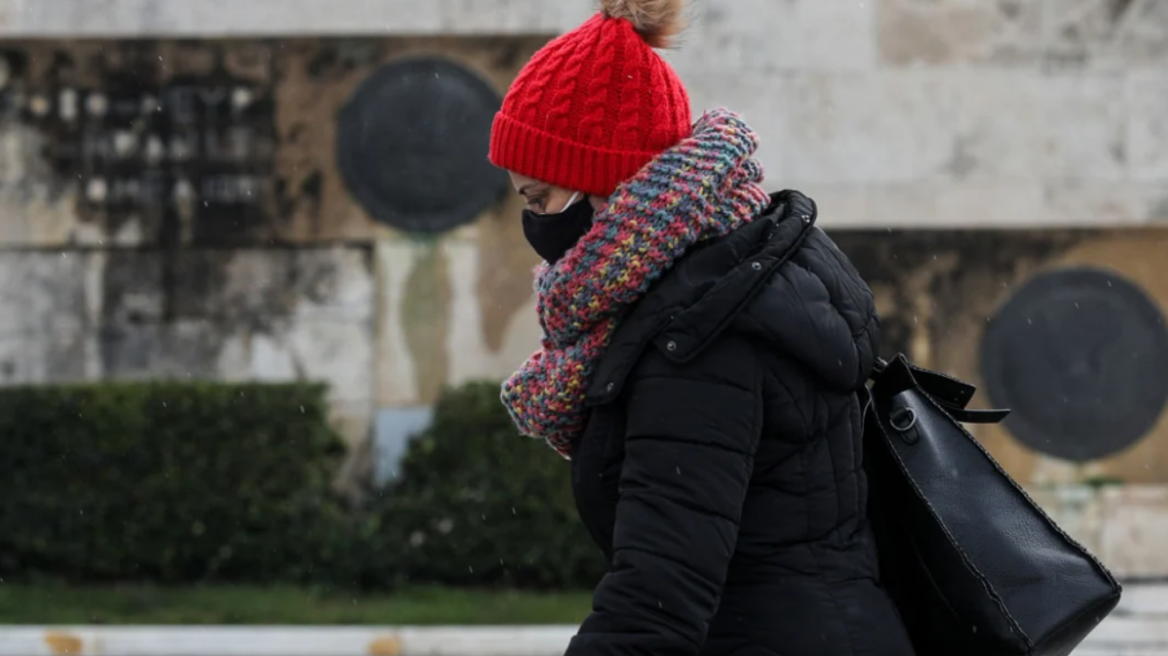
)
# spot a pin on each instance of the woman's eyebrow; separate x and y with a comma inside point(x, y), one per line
point(527, 188)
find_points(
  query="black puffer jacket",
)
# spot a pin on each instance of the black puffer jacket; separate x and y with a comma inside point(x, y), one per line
point(720, 467)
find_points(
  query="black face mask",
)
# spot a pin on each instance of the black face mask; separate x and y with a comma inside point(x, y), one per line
point(551, 235)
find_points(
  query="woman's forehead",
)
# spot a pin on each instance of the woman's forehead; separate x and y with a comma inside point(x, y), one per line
point(520, 181)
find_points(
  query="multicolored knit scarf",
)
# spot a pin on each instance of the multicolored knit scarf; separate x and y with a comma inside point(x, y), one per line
point(704, 187)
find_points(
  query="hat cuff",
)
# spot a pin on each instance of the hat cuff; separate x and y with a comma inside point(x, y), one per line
point(522, 149)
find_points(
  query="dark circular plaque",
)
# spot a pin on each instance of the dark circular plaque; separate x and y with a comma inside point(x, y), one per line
point(1081, 358)
point(412, 145)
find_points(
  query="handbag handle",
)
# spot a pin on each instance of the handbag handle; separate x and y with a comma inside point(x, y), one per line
point(946, 391)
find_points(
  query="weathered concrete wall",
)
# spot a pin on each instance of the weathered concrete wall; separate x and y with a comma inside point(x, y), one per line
point(256, 264)
point(894, 112)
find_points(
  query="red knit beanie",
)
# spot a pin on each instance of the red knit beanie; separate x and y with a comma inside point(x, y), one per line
point(596, 104)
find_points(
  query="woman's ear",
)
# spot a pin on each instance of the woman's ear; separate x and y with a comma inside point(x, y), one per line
point(597, 202)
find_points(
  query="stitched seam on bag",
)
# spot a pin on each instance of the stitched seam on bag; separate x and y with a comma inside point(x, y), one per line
point(965, 559)
point(1018, 488)
point(1078, 616)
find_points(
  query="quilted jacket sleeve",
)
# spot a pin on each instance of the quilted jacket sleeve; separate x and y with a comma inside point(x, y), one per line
point(690, 440)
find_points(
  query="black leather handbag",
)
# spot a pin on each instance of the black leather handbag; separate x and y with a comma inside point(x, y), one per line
point(975, 567)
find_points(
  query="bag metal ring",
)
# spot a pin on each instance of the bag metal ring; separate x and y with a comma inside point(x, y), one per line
point(903, 419)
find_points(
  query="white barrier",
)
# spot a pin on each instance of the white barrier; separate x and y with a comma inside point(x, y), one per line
point(1139, 627)
point(1119, 636)
point(283, 641)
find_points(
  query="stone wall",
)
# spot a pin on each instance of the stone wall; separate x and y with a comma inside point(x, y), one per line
point(894, 112)
point(958, 149)
point(911, 113)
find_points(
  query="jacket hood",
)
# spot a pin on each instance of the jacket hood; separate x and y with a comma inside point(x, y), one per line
point(779, 280)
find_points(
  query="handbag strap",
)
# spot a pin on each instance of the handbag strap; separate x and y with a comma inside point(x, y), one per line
point(975, 416)
point(951, 394)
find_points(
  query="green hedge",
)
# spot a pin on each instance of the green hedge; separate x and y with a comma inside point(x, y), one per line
point(170, 481)
point(179, 482)
point(479, 505)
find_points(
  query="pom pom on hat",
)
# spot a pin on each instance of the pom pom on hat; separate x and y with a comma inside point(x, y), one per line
point(657, 21)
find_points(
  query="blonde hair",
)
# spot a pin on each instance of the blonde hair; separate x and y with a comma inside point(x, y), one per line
point(657, 21)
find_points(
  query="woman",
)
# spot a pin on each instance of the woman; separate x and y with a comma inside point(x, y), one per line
point(703, 345)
